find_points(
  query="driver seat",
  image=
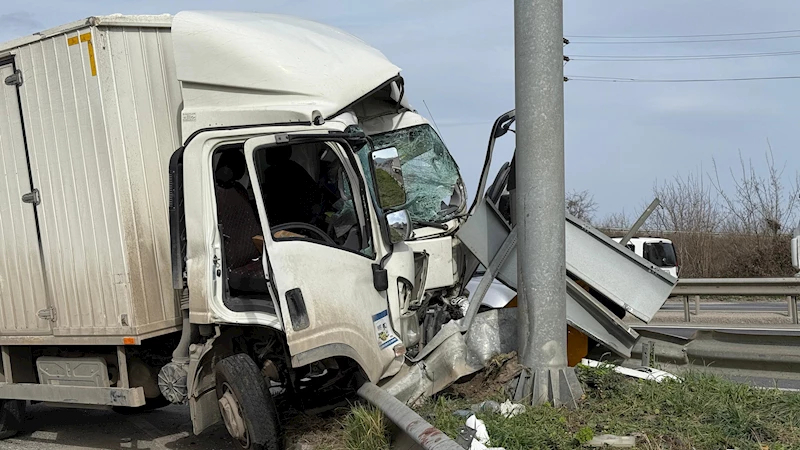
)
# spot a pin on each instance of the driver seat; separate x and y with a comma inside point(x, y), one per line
point(239, 224)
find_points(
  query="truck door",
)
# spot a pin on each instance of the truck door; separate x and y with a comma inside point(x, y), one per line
point(320, 252)
point(23, 300)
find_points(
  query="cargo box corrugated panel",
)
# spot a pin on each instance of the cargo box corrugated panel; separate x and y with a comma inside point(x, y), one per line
point(100, 105)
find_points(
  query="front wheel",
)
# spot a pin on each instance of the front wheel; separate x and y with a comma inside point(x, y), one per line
point(12, 414)
point(246, 404)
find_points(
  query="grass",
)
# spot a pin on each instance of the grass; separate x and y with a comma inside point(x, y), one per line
point(702, 412)
point(356, 428)
point(366, 428)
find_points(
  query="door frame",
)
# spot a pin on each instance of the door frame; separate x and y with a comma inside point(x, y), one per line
point(11, 60)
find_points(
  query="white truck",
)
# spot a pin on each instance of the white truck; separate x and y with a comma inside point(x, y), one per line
point(230, 209)
point(659, 251)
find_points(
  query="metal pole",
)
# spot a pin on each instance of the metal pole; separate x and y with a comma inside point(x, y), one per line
point(686, 314)
point(640, 221)
point(411, 423)
point(122, 365)
point(793, 308)
point(696, 305)
point(538, 41)
point(8, 375)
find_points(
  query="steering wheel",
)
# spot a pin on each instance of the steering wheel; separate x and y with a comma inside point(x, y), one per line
point(303, 226)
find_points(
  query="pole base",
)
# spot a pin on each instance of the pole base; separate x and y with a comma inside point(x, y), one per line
point(559, 386)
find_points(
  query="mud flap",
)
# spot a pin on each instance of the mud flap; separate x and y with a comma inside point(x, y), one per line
point(203, 404)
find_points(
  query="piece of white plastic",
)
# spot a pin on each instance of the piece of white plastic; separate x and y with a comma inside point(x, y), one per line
point(509, 409)
point(644, 373)
point(481, 439)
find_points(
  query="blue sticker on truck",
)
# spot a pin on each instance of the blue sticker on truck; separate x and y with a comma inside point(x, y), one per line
point(382, 329)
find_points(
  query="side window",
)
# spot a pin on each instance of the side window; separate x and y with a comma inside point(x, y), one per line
point(308, 194)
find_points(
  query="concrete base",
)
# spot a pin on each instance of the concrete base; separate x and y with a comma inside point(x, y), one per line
point(557, 386)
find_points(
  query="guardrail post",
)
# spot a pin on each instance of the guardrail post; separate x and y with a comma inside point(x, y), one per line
point(696, 305)
point(686, 316)
point(792, 308)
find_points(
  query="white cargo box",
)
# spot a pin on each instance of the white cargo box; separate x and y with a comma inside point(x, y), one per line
point(91, 118)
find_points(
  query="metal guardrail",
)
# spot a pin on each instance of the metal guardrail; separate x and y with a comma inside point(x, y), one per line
point(695, 287)
point(761, 359)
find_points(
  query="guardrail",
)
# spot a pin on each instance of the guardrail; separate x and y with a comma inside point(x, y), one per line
point(765, 360)
point(695, 287)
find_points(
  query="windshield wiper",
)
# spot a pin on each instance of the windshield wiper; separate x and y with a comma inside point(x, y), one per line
point(425, 223)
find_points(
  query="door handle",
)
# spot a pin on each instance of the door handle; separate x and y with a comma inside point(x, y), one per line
point(32, 197)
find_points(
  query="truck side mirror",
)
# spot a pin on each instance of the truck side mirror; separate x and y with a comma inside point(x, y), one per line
point(388, 176)
point(399, 224)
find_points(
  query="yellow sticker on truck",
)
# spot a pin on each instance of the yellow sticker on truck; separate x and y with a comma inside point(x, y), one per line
point(85, 37)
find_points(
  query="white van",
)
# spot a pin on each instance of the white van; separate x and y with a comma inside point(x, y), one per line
point(658, 251)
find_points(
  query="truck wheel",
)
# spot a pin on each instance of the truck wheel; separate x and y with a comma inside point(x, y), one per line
point(246, 405)
point(12, 414)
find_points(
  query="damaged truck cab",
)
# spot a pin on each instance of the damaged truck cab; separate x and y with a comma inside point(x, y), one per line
point(312, 213)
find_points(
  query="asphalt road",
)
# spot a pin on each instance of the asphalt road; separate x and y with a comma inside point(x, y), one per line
point(754, 307)
point(49, 428)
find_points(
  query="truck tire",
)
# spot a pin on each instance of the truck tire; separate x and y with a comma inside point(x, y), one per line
point(12, 414)
point(246, 404)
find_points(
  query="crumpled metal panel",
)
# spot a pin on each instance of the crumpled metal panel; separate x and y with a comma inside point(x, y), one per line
point(493, 332)
point(610, 269)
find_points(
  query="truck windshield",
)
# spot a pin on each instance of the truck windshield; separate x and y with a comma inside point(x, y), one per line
point(662, 254)
point(434, 188)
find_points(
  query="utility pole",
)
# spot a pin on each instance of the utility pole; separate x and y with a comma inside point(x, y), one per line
point(542, 323)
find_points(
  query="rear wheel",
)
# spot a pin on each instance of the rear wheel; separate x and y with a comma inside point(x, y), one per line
point(12, 414)
point(246, 404)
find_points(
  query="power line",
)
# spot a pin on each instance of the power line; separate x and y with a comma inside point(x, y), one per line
point(679, 57)
point(762, 38)
point(677, 36)
point(679, 80)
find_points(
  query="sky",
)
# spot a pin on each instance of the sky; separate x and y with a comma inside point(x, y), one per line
point(620, 138)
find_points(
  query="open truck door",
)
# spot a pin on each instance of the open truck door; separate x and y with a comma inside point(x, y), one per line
point(320, 251)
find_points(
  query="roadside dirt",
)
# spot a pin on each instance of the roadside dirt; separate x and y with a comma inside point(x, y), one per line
point(491, 382)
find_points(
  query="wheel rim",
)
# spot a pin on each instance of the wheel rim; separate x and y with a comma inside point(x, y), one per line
point(232, 416)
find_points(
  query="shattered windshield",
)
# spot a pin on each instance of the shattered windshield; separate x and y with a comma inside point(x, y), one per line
point(434, 189)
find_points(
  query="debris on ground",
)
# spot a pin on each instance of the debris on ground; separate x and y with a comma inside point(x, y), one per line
point(491, 382)
point(480, 440)
point(486, 406)
point(610, 440)
point(509, 409)
point(644, 373)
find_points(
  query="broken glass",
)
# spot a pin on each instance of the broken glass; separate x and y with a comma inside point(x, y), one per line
point(434, 189)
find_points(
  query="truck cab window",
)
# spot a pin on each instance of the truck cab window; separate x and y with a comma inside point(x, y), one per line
point(308, 194)
point(238, 223)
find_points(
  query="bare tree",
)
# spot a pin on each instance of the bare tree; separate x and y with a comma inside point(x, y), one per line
point(687, 205)
point(760, 213)
point(615, 223)
point(581, 205)
point(759, 204)
point(689, 215)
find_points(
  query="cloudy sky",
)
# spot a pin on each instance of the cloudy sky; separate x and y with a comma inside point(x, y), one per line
point(621, 137)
